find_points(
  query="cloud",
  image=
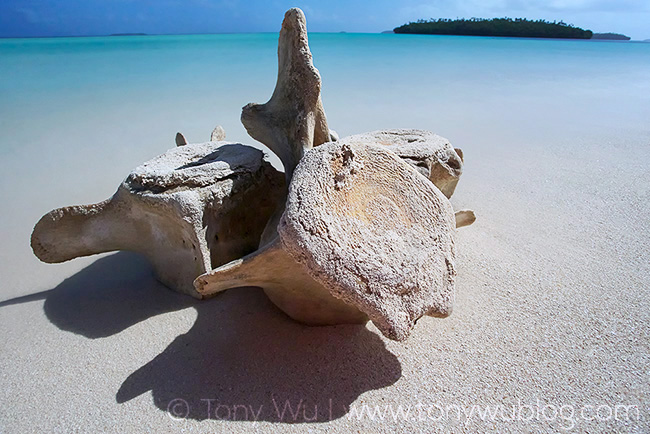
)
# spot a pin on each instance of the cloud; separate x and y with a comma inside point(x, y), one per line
point(469, 8)
point(84, 17)
point(32, 16)
point(599, 5)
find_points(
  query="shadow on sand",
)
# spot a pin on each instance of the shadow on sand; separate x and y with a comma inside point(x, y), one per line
point(243, 360)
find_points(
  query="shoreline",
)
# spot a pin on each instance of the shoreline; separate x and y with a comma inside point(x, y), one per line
point(147, 35)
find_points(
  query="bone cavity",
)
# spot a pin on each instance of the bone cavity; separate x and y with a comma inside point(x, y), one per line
point(188, 211)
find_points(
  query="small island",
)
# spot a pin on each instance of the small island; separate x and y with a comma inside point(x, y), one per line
point(611, 37)
point(509, 27)
point(128, 34)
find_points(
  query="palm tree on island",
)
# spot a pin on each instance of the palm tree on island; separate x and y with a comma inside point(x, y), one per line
point(509, 27)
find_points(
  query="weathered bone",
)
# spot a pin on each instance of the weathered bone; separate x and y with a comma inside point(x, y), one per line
point(188, 210)
point(180, 140)
point(362, 234)
point(218, 134)
point(293, 120)
point(465, 218)
point(432, 155)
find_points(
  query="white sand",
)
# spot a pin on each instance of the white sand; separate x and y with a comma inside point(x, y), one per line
point(553, 305)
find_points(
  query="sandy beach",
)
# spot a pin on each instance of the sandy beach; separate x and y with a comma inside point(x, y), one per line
point(551, 326)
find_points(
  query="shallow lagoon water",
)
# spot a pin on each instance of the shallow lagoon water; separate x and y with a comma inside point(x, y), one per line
point(77, 114)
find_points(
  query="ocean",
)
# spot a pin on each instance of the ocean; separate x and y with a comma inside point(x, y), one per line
point(77, 114)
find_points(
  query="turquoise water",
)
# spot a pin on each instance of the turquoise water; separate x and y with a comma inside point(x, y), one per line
point(124, 98)
point(147, 85)
point(77, 114)
point(178, 82)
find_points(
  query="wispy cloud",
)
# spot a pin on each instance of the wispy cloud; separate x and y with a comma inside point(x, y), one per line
point(34, 16)
point(437, 8)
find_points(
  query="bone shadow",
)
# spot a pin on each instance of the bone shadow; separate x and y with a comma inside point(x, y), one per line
point(243, 360)
point(107, 297)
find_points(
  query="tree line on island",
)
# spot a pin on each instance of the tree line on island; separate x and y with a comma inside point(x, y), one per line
point(517, 27)
point(611, 36)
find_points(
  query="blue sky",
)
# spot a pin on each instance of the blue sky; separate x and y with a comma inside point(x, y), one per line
point(99, 17)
